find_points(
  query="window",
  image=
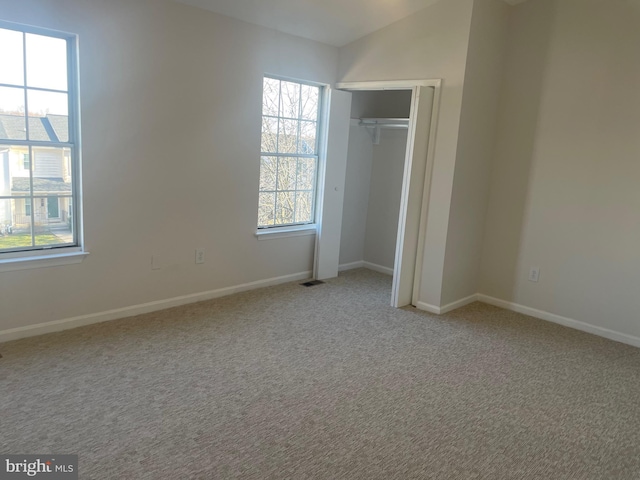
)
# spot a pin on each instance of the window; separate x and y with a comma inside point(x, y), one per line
point(39, 136)
point(289, 153)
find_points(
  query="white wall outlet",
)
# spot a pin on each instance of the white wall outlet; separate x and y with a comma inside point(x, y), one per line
point(534, 274)
point(155, 262)
point(199, 256)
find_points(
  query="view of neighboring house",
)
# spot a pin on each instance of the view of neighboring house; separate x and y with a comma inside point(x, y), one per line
point(48, 169)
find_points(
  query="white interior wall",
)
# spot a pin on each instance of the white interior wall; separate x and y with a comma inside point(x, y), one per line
point(356, 195)
point(381, 104)
point(470, 195)
point(384, 197)
point(564, 192)
point(171, 103)
point(373, 184)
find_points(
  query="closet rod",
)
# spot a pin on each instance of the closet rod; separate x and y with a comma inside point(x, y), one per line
point(376, 124)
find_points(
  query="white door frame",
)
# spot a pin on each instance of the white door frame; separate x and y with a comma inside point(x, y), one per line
point(413, 86)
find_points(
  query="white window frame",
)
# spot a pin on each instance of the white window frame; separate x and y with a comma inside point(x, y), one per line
point(45, 256)
point(268, 232)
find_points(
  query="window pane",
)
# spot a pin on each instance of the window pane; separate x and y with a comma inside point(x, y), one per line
point(270, 96)
point(290, 100)
point(12, 119)
point(15, 223)
point(48, 116)
point(11, 57)
point(53, 220)
point(304, 207)
point(269, 135)
point(285, 207)
point(36, 179)
point(306, 173)
point(287, 177)
point(51, 171)
point(310, 97)
point(14, 170)
point(46, 62)
point(287, 173)
point(308, 137)
point(268, 173)
point(266, 209)
point(288, 136)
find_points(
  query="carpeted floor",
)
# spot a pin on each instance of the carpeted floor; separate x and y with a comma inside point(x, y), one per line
point(327, 382)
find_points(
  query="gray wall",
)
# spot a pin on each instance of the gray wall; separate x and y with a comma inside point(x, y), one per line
point(356, 195)
point(384, 198)
point(384, 104)
point(478, 119)
point(171, 100)
point(564, 191)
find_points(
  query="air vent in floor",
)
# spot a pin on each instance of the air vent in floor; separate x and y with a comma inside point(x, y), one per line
point(312, 283)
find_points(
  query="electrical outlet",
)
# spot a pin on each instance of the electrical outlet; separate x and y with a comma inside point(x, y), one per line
point(199, 256)
point(534, 274)
point(155, 262)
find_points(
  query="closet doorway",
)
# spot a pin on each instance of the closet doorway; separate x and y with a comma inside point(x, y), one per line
point(391, 140)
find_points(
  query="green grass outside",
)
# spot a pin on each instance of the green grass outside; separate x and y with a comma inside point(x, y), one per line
point(24, 240)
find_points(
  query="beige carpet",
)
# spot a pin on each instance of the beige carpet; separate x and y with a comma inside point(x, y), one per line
point(326, 382)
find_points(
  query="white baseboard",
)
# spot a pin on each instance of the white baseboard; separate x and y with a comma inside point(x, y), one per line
point(363, 264)
point(567, 322)
point(447, 308)
point(350, 266)
point(65, 324)
point(378, 268)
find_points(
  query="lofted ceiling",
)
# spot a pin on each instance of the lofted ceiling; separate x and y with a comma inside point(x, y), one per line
point(334, 22)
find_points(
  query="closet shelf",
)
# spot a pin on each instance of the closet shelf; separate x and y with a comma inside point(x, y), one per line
point(384, 122)
point(374, 125)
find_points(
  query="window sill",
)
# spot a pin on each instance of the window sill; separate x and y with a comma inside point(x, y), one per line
point(42, 261)
point(283, 232)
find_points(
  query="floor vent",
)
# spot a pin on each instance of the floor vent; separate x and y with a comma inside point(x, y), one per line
point(312, 283)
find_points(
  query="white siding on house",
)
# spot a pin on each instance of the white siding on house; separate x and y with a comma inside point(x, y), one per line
point(48, 163)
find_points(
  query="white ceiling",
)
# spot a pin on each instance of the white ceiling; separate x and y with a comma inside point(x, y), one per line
point(334, 22)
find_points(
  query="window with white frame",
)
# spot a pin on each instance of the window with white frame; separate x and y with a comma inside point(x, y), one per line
point(39, 135)
point(289, 153)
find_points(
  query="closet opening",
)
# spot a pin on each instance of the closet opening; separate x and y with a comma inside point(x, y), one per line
point(386, 180)
point(373, 184)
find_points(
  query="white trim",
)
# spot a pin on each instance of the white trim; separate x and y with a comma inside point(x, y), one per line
point(378, 268)
point(283, 232)
point(351, 266)
point(426, 194)
point(323, 119)
point(388, 84)
point(41, 261)
point(363, 264)
point(427, 307)
point(66, 324)
point(567, 322)
point(447, 308)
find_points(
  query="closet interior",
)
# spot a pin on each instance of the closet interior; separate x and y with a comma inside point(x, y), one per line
point(373, 185)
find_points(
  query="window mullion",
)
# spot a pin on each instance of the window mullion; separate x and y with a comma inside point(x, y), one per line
point(298, 150)
point(275, 199)
point(24, 87)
